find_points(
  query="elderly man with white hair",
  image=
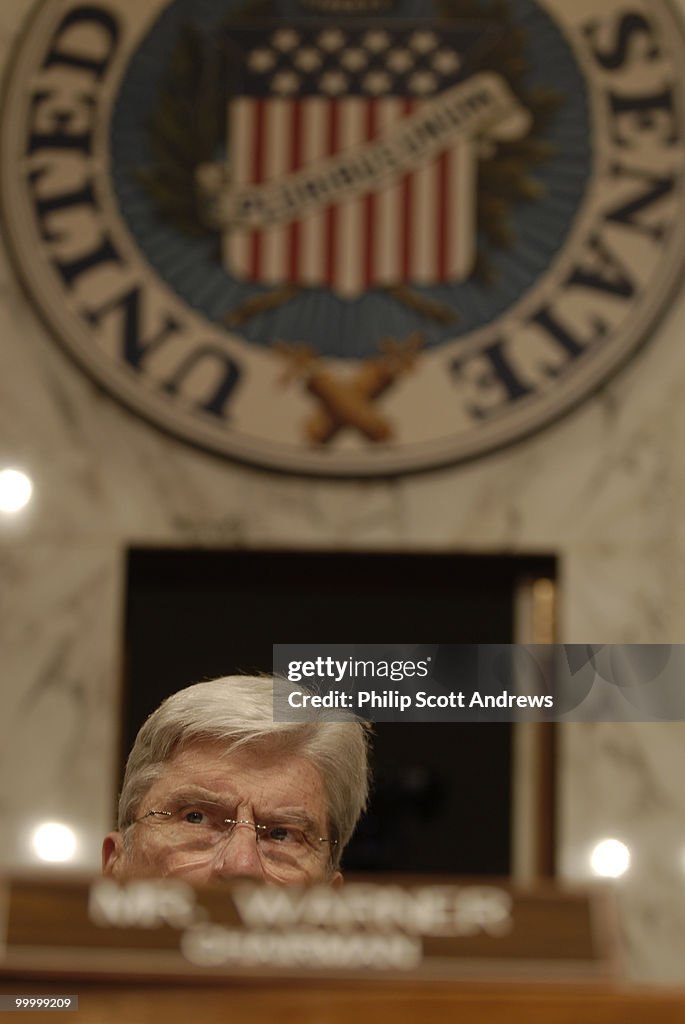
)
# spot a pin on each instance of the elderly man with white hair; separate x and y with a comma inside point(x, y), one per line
point(216, 789)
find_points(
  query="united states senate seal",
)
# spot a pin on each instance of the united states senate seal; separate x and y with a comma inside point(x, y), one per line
point(347, 237)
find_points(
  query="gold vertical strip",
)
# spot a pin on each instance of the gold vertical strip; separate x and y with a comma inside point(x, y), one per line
point(534, 746)
point(544, 611)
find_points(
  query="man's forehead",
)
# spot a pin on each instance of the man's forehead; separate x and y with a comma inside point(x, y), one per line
point(252, 773)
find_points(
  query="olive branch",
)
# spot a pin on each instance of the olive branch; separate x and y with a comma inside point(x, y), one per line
point(504, 178)
point(187, 128)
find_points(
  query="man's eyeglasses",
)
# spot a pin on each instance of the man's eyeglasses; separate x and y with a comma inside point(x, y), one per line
point(287, 851)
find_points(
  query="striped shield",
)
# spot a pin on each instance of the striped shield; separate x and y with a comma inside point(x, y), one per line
point(308, 93)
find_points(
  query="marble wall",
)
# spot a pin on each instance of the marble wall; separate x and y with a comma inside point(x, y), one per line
point(603, 489)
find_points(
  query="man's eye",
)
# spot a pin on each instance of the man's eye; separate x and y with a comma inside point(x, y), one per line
point(283, 834)
point(194, 817)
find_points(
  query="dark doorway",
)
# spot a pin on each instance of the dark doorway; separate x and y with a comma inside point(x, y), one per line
point(442, 793)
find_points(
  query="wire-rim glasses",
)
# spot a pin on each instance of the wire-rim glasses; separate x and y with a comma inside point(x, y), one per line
point(288, 848)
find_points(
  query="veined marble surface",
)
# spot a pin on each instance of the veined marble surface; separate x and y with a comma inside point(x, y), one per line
point(61, 641)
point(603, 489)
point(622, 781)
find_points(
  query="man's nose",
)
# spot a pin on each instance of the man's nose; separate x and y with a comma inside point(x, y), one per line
point(238, 855)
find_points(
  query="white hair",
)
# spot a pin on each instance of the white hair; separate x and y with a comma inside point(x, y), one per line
point(239, 711)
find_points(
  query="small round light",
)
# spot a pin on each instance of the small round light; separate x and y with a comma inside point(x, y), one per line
point(15, 490)
point(54, 842)
point(610, 858)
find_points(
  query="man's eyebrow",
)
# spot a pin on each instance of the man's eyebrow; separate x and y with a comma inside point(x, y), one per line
point(284, 815)
point(190, 792)
point(290, 816)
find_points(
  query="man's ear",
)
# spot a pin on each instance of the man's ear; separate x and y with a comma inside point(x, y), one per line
point(112, 854)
